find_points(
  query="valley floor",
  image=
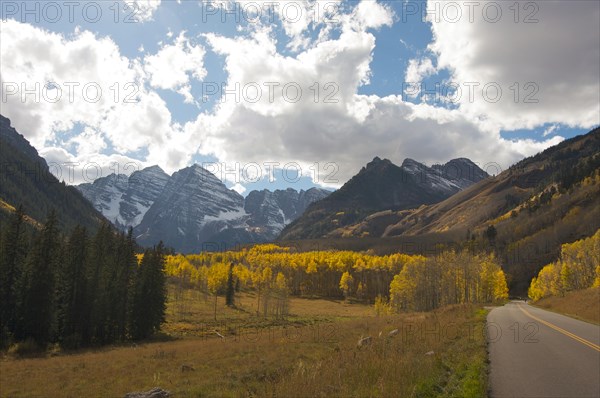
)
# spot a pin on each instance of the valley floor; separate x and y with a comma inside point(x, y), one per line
point(313, 352)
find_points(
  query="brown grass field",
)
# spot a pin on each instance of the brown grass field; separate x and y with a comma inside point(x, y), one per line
point(581, 304)
point(313, 352)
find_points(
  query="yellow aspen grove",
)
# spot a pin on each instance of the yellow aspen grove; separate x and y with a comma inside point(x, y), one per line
point(577, 268)
point(411, 282)
point(217, 278)
point(597, 280)
point(281, 292)
point(450, 278)
point(500, 286)
point(266, 279)
point(346, 283)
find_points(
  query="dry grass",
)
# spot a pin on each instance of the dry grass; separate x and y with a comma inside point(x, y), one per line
point(314, 353)
point(434, 355)
point(192, 314)
point(581, 304)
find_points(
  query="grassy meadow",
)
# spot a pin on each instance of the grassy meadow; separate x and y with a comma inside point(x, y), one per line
point(312, 352)
point(581, 304)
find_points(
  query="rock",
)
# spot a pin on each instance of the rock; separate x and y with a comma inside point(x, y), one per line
point(154, 393)
point(393, 333)
point(365, 341)
point(429, 353)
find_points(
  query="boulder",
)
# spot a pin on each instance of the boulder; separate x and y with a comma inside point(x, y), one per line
point(154, 393)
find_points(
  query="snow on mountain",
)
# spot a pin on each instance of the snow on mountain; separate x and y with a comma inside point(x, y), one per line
point(381, 185)
point(272, 211)
point(106, 194)
point(193, 208)
point(124, 200)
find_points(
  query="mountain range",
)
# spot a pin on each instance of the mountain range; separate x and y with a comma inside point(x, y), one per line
point(382, 185)
point(193, 210)
point(534, 207)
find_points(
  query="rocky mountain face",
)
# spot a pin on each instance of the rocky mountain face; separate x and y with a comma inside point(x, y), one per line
point(11, 137)
point(272, 211)
point(124, 200)
point(381, 185)
point(25, 180)
point(193, 210)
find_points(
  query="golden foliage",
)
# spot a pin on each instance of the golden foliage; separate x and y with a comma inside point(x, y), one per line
point(412, 282)
point(577, 268)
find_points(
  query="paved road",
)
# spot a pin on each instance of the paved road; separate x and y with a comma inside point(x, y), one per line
point(536, 353)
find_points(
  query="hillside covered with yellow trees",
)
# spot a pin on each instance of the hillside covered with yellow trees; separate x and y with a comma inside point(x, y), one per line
point(577, 268)
point(406, 282)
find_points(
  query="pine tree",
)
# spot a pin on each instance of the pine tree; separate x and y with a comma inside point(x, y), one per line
point(13, 252)
point(71, 287)
point(99, 279)
point(36, 306)
point(128, 270)
point(491, 234)
point(150, 294)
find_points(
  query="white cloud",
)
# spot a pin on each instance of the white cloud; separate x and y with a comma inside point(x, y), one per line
point(349, 132)
point(239, 188)
point(89, 67)
point(124, 117)
point(550, 130)
point(371, 15)
point(171, 67)
point(86, 168)
point(417, 70)
point(554, 61)
point(88, 142)
point(299, 17)
point(143, 10)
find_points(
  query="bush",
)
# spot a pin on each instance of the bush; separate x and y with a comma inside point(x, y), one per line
point(24, 348)
point(6, 338)
point(382, 306)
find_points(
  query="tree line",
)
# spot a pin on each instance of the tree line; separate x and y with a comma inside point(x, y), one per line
point(77, 289)
point(449, 278)
point(410, 282)
point(578, 267)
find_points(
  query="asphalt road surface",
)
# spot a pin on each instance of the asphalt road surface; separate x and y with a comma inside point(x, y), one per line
point(537, 353)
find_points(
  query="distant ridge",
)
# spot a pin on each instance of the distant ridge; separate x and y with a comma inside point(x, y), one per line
point(381, 185)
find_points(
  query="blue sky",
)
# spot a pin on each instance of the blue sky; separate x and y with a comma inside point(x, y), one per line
point(367, 51)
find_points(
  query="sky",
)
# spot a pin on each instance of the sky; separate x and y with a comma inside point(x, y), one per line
point(295, 93)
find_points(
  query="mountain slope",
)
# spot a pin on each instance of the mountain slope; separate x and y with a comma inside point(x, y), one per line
point(270, 211)
point(26, 180)
point(124, 200)
point(535, 206)
point(526, 187)
point(382, 185)
point(193, 207)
